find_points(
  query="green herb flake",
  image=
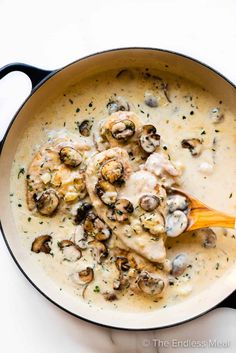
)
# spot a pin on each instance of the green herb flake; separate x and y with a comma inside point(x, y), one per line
point(96, 289)
point(230, 195)
point(29, 219)
point(217, 266)
point(203, 132)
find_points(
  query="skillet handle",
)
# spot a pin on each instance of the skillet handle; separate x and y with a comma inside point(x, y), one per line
point(229, 302)
point(35, 74)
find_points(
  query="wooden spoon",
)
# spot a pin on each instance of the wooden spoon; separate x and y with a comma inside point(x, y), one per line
point(202, 216)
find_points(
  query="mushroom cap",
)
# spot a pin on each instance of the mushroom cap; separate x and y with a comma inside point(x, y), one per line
point(149, 202)
point(86, 275)
point(112, 171)
point(117, 104)
point(40, 244)
point(149, 139)
point(179, 265)
point(122, 208)
point(82, 211)
point(106, 192)
point(153, 222)
point(123, 130)
point(85, 128)
point(70, 157)
point(48, 202)
point(150, 283)
point(194, 145)
point(176, 223)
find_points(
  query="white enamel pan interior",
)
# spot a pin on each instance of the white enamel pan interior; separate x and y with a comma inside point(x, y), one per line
point(118, 59)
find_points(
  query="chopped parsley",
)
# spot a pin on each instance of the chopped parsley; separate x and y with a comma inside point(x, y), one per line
point(96, 289)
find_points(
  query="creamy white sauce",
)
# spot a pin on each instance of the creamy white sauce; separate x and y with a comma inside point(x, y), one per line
point(210, 177)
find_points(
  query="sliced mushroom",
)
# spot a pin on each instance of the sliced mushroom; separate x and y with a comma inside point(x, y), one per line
point(48, 202)
point(153, 222)
point(70, 157)
point(216, 116)
point(99, 250)
point(176, 223)
point(117, 104)
point(85, 128)
point(150, 283)
point(122, 209)
point(123, 130)
point(40, 244)
point(122, 263)
point(194, 145)
point(70, 250)
point(82, 211)
point(149, 139)
point(179, 265)
point(208, 237)
point(87, 275)
point(149, 202)
point(106, 191)
point(112, 171)
point(94, 226)
point(150, 99)
point(176, 202)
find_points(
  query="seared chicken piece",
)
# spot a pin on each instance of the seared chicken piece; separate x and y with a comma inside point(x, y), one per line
point(54, 177)
point(122, 213)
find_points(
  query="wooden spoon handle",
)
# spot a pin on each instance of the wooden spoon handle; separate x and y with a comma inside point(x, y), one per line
point(202, 217)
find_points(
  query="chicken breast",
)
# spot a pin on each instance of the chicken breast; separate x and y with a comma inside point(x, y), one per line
point(118, 204)
point(55, 177)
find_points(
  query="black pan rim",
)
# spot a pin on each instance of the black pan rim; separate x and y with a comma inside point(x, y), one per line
point(4, 140)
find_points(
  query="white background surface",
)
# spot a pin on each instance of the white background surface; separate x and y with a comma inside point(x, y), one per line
point(50, 34)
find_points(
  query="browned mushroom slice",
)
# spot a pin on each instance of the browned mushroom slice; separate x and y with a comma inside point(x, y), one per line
point(47, 203)
point(150, 283)
point(117, 104)
point(70, 157)
point(149, 139)
point(153, 222)
point(122, 263)
point(40, 244)
point(86, 276)
point(82, 211)
point(99, 250)
point(149, 202)
point(94, 226)
point(194, 145)
point(106, 191)
point(123, 130)
point(122, 209)
point(85, 128)
point(112, 171)
point(70, 250)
